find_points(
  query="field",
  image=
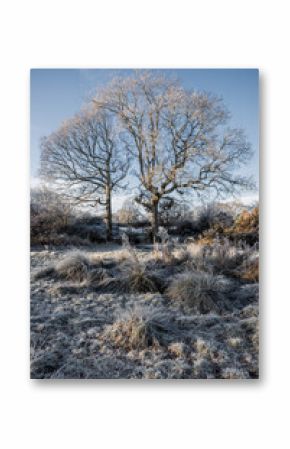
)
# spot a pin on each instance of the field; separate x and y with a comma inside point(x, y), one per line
point(119, 311)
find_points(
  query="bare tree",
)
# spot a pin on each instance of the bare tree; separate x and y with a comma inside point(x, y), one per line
point(177, 138)
point(86, 159)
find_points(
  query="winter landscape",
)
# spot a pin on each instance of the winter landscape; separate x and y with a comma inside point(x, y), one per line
point(144, 251)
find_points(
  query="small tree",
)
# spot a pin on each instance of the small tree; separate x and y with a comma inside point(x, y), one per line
point(87, 160)
point(176, 137)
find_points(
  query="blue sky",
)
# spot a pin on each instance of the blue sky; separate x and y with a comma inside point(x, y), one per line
point(57, 94)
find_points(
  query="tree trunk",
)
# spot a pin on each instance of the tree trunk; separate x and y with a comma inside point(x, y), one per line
point(108, 213)
point(155, 220)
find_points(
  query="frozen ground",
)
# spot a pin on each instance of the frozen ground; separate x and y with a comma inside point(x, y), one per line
point(95, 327)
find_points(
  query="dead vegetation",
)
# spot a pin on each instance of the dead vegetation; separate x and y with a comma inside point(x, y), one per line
point(245, 230)
point(172, 311)
point(140, 328)
point(73, 267)
point(201, 292)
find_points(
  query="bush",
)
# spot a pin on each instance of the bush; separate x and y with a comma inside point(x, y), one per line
point(53, 222)
point(48, 215)
point(129, 214)
point(91, 233)
point(172, 211)
point(185, 228)
point(224, 258)
point(138, 238)
point(247, 221)
point(212, 216)
point(245, 228)
point(221, 257)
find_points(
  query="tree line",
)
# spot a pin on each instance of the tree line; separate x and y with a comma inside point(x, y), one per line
point(172, 140)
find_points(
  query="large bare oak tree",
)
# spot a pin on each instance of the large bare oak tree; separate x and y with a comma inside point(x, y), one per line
point(177, 137)
point(86, 159)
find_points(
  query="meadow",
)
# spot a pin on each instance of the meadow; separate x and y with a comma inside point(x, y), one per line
point(183, 308)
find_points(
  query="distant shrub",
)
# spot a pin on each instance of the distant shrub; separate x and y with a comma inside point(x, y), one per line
point(54, 222)
point(129, 214)
point(142, 236)
point(212, 216)
point(172, 211)
point(92, 233)
point(185, 228)
point(244, 229)
point(48, 215)
point(221, 257)
point(247, 221)
point(224, 258)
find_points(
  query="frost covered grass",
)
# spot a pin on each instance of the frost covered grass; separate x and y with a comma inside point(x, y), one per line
point(123, 312)
point(140, 328)
point(223, 258)
point(202, 292)
point(73, 267)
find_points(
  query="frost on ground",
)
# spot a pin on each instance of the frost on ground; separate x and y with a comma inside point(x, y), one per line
point(120, 313)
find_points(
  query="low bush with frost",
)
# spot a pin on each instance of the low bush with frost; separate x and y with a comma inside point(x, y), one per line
point(249, 270)
point(202, 292)
point(137, 280)
point(74, 267)
point(223, 257)
point(141, 328)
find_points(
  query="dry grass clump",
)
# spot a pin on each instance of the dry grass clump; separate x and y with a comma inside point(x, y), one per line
point(95, 276)
point(202, 292)
point(140, 328)
point(44, 272)
point(249, 271)
point(109, 258)
point(178, 349)
point(131, 279)
point(106, 275)
point(134, 276)
point(136, 279)
point(74, 267)
point(222, 257)
point(159, 257)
